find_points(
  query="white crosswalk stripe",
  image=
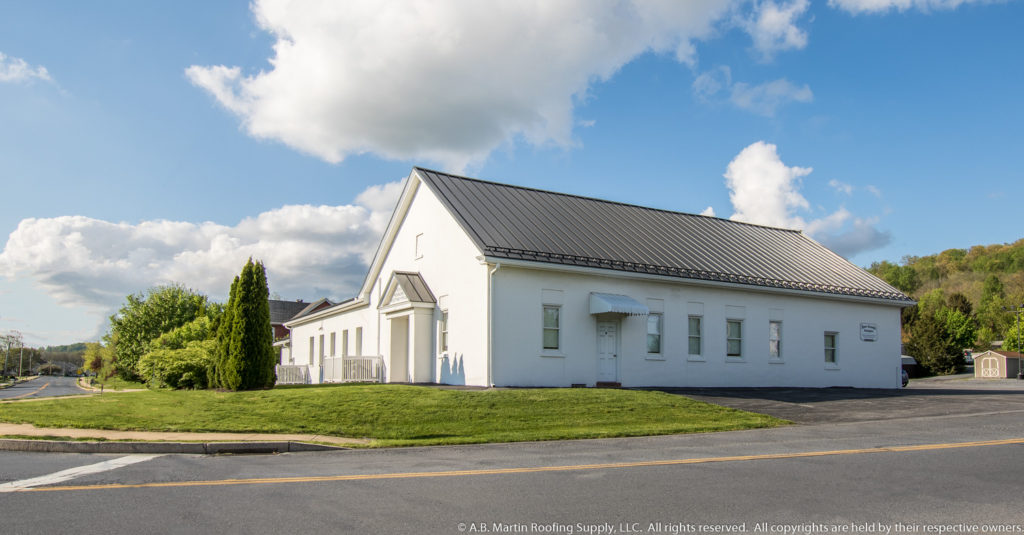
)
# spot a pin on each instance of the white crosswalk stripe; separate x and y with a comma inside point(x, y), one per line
point(71, 473)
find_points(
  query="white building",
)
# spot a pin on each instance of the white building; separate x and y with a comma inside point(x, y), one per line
point(481, 283)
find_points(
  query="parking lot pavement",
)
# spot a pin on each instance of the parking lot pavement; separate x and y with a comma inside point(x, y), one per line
point(957, 395)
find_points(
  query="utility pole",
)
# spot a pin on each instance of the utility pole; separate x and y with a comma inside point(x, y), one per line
point(7, 356)
point(11, 337)
point(1020, 350)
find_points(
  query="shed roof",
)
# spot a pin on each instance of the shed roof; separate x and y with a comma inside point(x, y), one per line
point(521, 223)
point(313, 307)
point(1007, 354)
point(282, 311)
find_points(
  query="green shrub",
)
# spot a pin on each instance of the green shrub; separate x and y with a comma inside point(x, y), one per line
point(194, 331)
point(178, 368)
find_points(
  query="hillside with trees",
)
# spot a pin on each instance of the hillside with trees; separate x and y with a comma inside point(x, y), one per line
point(961, 295)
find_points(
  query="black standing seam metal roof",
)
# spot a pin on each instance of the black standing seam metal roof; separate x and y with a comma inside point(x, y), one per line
point(521, 223)
point(282, 311)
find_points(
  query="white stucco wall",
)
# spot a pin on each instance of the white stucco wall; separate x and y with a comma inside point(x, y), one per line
point(446, 259)
point(519, 359)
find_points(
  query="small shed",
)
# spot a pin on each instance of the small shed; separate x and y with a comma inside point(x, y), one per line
point(997, 364)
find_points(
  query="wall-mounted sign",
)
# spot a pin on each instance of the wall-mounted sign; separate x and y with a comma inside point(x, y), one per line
point(868, 332)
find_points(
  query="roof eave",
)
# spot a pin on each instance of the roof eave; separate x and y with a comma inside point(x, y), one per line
point(697, 282)
point(327, 312)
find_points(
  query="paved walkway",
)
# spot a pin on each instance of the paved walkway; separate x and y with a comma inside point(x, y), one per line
point(168, 436)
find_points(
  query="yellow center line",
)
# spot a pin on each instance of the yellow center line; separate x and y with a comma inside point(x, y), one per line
point(36, 391)
point(530, 470)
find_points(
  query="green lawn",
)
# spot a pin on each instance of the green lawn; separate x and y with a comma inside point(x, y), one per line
point(395, 415)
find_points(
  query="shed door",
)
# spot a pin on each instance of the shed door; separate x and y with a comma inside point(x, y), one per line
point(607, 351)
point(990, 367)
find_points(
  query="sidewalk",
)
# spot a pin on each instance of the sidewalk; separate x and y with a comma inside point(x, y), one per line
point(165, 442)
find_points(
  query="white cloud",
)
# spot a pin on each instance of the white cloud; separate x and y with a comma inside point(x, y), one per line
point(763, 99)
point(709, 211)
point(773, 27)
point(445, 81)
point(874, 191)
point(765, 191)
point(841, 187)
point(309, 251)
point(858, 7)
point(17, 70)
point(707, 85)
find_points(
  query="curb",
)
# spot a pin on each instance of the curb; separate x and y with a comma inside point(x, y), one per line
point(202, 448)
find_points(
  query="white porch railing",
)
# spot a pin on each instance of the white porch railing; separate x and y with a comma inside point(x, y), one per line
point(292, 375)
point(363, 369)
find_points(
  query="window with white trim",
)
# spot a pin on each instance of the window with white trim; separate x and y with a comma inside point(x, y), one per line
point(695, 334)
point(359, 341)
point(312, 348)
point(552, 327)
point(734, 338)
point(831, 348)
point(775, 339)
point(654, 333)
point(321, 346)
point(344, 343)
point(442, 337)
point(333, 353)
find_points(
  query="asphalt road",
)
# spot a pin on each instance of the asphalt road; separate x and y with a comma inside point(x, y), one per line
point(902, 474)
point(43, 386)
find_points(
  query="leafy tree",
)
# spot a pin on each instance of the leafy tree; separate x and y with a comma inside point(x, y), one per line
point(985, 339)
point(991, 289)
point(99, 359)
point(145, 317)
point(196, 330)
point(1010, 339)
point(932, 348)
point(959, 329)
point(932, 302)
point(245, 357)
point(903, 278)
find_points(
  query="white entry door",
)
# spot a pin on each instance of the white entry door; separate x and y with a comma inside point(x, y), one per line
point(607, 352)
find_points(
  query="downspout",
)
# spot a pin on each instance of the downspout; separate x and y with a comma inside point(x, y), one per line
point(490, 322)
point(379, 352)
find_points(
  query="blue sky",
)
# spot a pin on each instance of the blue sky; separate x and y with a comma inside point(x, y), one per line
point(145, 143)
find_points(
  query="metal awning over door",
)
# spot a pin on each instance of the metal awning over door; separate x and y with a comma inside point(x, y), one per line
point(601, 303)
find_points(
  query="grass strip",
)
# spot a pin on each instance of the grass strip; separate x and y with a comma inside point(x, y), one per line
point(395, 415)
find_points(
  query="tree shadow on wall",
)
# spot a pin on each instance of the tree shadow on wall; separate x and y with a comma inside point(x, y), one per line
point(453, 372)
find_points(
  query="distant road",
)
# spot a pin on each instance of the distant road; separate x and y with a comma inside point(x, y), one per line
point(43, 387)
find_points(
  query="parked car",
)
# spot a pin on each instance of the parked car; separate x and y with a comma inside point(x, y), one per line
point(906, 377)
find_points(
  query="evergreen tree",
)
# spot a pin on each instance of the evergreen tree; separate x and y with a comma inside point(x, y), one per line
point(245, 339)
point(933, 348)
point(217, 378)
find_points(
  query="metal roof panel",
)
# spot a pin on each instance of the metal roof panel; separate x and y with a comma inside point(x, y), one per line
point(515, 222)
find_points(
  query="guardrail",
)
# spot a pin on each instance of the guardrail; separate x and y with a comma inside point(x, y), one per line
point(361, 369)
point(292, 374)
